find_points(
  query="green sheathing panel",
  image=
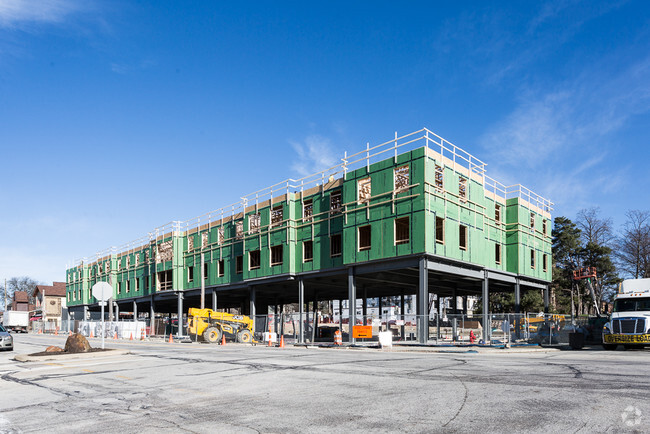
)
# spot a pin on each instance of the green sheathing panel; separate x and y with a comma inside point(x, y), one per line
point(478, 213)
point(420, 200)
point(524, 240)
point(382, 208)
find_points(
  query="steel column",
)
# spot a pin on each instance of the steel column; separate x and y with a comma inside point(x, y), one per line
point(214, 300)
point(423, 302)
point(179, 332)
point(546, 298)
point(352, 303)
point(251, 297)
point(486, 302)
point(202, 280)
point(135, 310)
point(517, 308)
point(301, 311)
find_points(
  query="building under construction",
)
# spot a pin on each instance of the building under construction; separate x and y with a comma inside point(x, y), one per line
point(415, 215)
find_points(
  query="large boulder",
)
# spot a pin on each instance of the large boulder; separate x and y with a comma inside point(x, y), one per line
point(77, 343)
point(53, 349)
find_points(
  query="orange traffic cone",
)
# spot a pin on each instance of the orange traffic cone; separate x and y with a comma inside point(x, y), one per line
point(142, 335)
point(282, 341)
point(40, 331)
point(115, 335)
point(91, 334)
point(56, 332)
point(131, 338)
point(223, 339)
point(270, 344)
point(171, 338)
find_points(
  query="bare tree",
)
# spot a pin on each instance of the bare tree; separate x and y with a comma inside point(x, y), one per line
point(14, 284)
point(593, 228)
point(633, 246)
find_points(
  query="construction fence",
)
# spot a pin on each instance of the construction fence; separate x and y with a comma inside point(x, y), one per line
point(457, 329)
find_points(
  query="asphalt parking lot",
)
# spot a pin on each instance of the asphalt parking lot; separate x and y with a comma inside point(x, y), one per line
point(161, 387)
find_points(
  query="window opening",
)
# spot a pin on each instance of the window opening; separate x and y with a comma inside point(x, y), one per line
point(239, 264)
point(439, 180)
point(276, 216)
point(190, 242)
point(205, 270)
point(532, 258)
point(440, 230)
point(221, 270)
point(307, 210)
point(276, 255)
point(462, 189)
point(402, 179)
point(402, 233)
point(462, 239)
point(220, 235)
point(204, 240)
point(239, 229)
point(364, 190)
point(335, 245)
point(364, 237)
point(497, 214)
point(307, 251)
point(254, 223)
point(497, 253)
point(335, 202)
point(254, 260)
point(190, 274)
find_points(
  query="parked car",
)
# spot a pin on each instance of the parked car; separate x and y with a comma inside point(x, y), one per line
point(6, 340)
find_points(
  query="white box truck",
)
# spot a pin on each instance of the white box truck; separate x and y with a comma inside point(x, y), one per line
point(629, 323)
point(16, 321)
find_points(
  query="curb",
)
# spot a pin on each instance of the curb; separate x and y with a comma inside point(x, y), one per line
point(98, 354)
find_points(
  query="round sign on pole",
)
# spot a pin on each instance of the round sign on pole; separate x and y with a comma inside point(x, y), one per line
point(102, 291)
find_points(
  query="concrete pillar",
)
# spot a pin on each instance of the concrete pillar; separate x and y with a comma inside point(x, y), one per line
point(352, 307)
point(135, 310)
point(214, 299)
point(85, 318)
point(486, 301)
point(423, 302)
point(179, 333)
point(301, 311)
point(110, 309)
point(117, 311)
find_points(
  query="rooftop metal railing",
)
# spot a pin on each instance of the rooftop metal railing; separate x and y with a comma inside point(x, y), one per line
point(349, 162)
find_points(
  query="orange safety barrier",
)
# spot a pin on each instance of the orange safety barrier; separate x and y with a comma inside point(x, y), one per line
point(338, 340)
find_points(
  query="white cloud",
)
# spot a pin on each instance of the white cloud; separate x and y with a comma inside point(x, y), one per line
point(15, 13)
point(313, 155)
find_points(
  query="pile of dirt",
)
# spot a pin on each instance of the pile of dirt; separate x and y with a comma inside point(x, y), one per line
point(76, 343)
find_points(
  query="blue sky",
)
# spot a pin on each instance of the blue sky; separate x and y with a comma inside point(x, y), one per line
point(117, 117)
